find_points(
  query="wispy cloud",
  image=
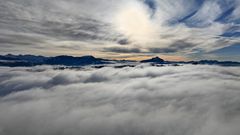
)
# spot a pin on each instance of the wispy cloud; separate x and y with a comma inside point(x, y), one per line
point(92, 25)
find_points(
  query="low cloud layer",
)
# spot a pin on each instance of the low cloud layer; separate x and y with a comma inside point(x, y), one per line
point(144, 100)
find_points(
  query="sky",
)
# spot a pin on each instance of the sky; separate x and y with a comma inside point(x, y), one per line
point(141, 100)
point(122, 29)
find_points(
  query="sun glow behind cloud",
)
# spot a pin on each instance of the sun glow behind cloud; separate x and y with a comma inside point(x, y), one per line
point(133, 20)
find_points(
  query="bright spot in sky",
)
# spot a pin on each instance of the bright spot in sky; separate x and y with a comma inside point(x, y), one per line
point(134, 21)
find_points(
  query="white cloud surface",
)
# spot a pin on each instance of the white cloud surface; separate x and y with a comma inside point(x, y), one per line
point(144, 100)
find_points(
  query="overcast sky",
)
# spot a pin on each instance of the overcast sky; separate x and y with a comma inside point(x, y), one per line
point(172, 29)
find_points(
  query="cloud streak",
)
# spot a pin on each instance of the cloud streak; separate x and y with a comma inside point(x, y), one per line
point(97, 24)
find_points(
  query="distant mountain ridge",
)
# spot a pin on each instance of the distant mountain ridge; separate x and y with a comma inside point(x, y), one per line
point(32, 60)
point(157, 60)
point(10, 60)
point(70, 60)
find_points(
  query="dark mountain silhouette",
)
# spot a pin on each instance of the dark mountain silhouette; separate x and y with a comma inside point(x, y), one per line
point(157, 60)
point(70, 60)
point(215, 62)
point(32, 60)
point(154, 60)
point(26, 58)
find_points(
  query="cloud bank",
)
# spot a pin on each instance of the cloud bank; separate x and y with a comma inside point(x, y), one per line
point(189, 100)
point(80, 27)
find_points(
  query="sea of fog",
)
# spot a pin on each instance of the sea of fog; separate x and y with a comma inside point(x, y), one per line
point(141, 100)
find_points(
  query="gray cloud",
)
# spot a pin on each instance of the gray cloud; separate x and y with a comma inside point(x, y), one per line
point(123, 42)
point(177, 46)
point(46, 23)
point(189, 100)
point(122, 50)
point(20, 39)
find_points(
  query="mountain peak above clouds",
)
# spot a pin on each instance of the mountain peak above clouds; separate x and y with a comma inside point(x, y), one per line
point(153, 60)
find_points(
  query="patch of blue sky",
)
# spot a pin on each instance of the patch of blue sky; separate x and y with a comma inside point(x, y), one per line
point(233, 50)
